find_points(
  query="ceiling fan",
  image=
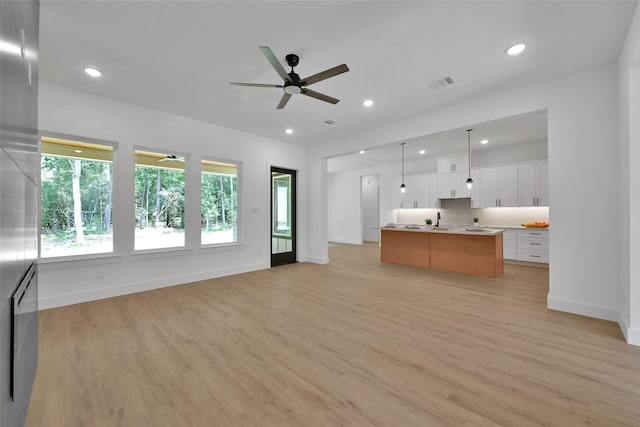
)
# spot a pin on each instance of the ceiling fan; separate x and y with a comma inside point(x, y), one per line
point(172, 158)
point(293, 84)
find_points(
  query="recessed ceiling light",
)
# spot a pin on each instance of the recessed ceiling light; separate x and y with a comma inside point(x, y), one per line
point(515, 49)
point(484, 141)
point(367, 102)
point(362, 151)
point(288, 131)
point(422, 151)
point(78, 151)
point(93, 72)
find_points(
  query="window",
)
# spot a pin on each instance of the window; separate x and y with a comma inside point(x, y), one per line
point(159, 200)
point(76, 198)
point(219, 205)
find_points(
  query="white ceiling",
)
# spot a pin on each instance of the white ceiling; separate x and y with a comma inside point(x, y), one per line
point(178, 56)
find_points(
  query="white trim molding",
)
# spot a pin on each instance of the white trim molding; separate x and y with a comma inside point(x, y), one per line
point(130, 288)
point(584, 309)
point(631, 335)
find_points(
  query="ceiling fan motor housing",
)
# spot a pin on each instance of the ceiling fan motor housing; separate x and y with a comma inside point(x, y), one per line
point(292, 59)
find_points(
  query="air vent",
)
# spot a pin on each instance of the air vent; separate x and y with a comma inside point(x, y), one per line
point(330, 122)
point(442, 82)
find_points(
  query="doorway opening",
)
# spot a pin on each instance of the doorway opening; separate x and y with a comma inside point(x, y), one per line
point(370, 207)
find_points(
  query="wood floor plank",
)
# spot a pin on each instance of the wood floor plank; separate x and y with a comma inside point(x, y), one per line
point(351, 343)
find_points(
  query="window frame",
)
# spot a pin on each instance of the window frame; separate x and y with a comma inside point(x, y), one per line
point(185, 247)
point(239, 234)
point(115, 199)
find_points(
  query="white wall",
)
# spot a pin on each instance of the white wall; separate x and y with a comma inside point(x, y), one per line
point(583, 177)
point(344, 207)
point(629, 181)
point(75, 113)
point(511, 154)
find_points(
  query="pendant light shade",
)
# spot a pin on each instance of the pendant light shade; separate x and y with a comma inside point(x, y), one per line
point(469, 181)
point(403, 188)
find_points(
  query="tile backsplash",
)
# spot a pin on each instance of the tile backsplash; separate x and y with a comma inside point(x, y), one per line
point(459, 212)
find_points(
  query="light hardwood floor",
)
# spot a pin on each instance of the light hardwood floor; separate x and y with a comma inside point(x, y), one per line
point(353, 343)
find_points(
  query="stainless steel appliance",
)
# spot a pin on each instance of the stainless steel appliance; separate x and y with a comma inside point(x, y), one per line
point(19, 166)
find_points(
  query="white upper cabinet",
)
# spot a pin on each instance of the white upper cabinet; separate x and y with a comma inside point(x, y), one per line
point(418, 194)
point(453, 185)
point(534, 184)
point(475, 190)
point(499, 186)
point(453, 163)
point(435, 201)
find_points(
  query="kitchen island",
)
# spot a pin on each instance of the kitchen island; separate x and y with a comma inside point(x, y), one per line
point(476, 251)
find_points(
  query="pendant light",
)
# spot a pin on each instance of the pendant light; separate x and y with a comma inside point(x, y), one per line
point(403, 188)
point(469, 180)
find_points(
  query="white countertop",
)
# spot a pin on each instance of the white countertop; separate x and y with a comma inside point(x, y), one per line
point(470, 230)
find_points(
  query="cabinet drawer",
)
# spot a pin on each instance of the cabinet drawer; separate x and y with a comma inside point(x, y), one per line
point(539, 233)
point(533, 244)
point(533, 256)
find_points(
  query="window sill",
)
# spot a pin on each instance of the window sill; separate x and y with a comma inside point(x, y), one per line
point(222, 245)
point(161, 252)
point(77, 260)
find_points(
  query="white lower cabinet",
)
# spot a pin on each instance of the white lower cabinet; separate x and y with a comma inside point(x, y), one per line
point(509, 244)
point(533, 245)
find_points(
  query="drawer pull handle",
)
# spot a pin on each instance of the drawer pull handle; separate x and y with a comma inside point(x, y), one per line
point(535, 244)
point(535, 256)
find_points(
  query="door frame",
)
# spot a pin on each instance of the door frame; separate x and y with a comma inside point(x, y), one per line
point(284, 257)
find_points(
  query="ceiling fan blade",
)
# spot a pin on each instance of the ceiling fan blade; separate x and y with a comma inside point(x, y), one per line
point(320, 96)
point(323, 75)
point(254, 84)
point(283, 101)
point(275, 63)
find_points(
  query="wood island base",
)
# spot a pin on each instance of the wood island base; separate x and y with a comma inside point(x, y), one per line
point(478, 254)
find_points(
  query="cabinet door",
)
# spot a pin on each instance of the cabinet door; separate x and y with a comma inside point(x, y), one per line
point(409, 198)
point(490, 188)
point(453, 163)
point(475, 191)
point(423, 187)
point(527, 185)
point(542, 181)
point(533, 184)
point(446, 184)
point(509, 244)
point(461, 190)
point(508, 186)
point(435, 201)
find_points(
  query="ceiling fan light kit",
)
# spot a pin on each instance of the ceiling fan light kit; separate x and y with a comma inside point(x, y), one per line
point(292, 83)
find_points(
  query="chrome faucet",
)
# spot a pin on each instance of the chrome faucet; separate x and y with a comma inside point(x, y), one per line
point(438, 220)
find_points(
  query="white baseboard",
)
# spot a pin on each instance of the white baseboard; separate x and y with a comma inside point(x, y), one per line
point(316, 259)
point(632, 336)
point(346, 242)
point(590, 310)
point(130, 288)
